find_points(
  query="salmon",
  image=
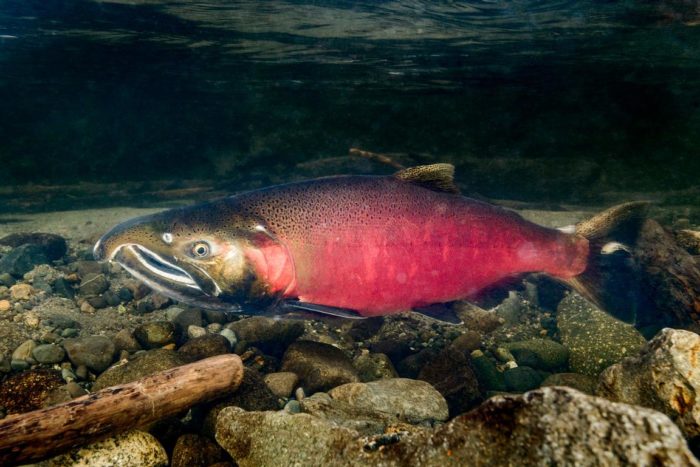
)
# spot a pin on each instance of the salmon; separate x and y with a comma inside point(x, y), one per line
point(354, 246)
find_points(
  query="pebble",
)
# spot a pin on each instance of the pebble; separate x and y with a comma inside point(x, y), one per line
point(5, 365)
point(214, 328)
point(63, 288)
point(48, 353)
point(31, 319)
point(93, 284)
point(412, 400)
point(5, 305)
point(136, 448)
point(6, 279)
point(282, 383)
point(467, 342)
point(183, 319)
point(205, 346)
point(125, 340)
point(21, 292)
point(486, 371)
point(230, 336)
point(195, 331)
point(155, 334)
point(95, 352)
point(85, 307)
point(522, 378)
point(70, 332)
point(68, 375)
point(548, 354)
point(319, 366)
point(292, 407)
point(24, 351)
point(374, 366)
point(19, 365)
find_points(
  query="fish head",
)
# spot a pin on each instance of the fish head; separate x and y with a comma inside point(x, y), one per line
point(207, 256)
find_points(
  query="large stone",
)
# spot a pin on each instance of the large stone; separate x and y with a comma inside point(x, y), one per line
point(269, 335)
point(364, 420)
point(95, 352)
point(374, 366)
point(282, 384)
point(52, 245)
point(549, 426)
point(583, 383)
point(319, 366)
point(130, 448)
point(665, 376)
point(145, 364)
point(548, 354)
point(22, 259)
point(595, 339)
point(409, 400)
point(205, 346)
point(155, 334)
point(451, 373)
point(27, 391)
point(193, 450)
point(93, 284)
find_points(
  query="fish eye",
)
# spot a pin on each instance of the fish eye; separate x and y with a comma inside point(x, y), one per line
point(200, 250)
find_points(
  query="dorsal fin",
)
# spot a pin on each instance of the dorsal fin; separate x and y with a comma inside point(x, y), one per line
point(436, 177)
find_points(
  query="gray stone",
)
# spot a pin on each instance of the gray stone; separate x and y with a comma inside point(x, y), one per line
point(664, 376)
point(410, 400)
point(48, 353)
point(487, 373)
point(93, 284)
point(125, 340)
point(130, 448)
point(584, 383)
point(522, 378)
point(22, 259)
point(95, 352)
point(549, 426)
point(595, 339)
point(549, 355)
point(319, 366)
point(282, 384)
point(205, 346)
point(185, 318)
point(374, 366)
point(144, 364)
point(195, 331)
point(269, 335)
point(155, 334)
point(366, 421)
point(24, 351)
point(467, 342)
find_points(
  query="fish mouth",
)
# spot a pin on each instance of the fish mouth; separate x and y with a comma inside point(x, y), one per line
point(193, 286)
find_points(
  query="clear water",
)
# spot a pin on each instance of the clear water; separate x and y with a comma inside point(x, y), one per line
point(531, 100)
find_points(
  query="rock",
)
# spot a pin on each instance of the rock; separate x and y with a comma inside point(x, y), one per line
point(21, 292)
point(130, 448)
point(522, 378)
point(24, 351)
point(86, 267)
point(144, 364)
point(252, 395)
point(155, 334)
point(487, 373)
point(584, 383)
point(269, 335)
point(63, 288)
point(125, 340)
point(93, 284)
point(374, 366)
point(477, 319)
point(27, 391)
point(549, 355)
point(452, 375)
point(6, 279)
point(5, 305)
point(410, 366)
point(360, 419)
point(664, 376)
point(595, 339)
point(282, 384)
point(205, 346)
point(261, 438)
point(511, 309)
point(409, 400)
point(22, 259)
point(467, 342)
point(319, 366)
point(95, 352)
point(53, 246)
point(196, 331)
point(193, 450)
point(184, 318)
point(230, 336)
point(397, 338)
point(49, 353)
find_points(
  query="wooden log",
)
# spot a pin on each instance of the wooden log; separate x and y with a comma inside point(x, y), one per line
point(43, 433)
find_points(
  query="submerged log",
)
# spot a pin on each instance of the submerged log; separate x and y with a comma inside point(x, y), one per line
point(43, 433)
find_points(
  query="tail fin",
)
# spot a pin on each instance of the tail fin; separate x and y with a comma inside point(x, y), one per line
point(611, 279)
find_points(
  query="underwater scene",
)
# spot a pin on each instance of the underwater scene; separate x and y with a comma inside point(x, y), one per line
point(349, 233)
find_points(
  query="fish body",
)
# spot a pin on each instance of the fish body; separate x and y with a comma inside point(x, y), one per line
point(371, 245)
